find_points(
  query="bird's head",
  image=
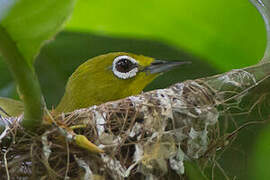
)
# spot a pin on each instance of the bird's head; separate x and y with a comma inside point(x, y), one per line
point(109, 77)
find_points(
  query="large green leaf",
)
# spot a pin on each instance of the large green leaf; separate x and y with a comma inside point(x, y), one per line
point(228, 33)
point(30, 23)
point(24, 26)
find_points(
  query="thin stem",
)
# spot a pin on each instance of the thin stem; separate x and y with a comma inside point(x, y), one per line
point(26, 80)
point(263, 6)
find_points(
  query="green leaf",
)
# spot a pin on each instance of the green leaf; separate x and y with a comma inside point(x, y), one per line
point(228, 33)
point(30, 23)
point(25, 25)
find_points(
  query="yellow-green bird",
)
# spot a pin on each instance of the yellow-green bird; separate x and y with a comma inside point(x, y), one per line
point(110, 77)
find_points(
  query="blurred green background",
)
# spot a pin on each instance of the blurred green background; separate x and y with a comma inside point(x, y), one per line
point(216, 36)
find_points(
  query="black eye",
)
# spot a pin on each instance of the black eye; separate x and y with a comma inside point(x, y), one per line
point(124, 65)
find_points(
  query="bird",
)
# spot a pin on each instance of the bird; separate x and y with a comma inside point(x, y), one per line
point(103, 78)
point(110, 77)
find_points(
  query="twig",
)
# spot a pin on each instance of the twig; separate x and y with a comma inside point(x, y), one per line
point(68, 160)
point(6, 165)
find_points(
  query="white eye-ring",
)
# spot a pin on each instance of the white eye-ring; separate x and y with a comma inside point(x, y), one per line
point(125, 67)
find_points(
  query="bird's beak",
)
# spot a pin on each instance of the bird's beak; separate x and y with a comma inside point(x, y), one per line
point(159, 66)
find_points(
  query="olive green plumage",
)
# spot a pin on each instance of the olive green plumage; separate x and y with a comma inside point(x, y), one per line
point(94, 83)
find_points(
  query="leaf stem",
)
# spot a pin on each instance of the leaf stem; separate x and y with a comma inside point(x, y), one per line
point(263, 6)
point(26, 80)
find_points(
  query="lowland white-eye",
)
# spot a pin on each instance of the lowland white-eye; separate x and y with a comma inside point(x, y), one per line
point(109, 77)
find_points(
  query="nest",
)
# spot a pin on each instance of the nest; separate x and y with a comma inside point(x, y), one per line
point(144, 136)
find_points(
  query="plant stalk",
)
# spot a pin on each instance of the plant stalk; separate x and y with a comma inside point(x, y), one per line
point(26, 80)
point(263, 6)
